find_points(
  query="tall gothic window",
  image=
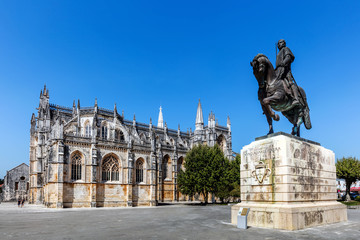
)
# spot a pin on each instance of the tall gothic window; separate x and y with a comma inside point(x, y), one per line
point(169, 169)
point(76, 167)
point(87, 130)
point(139, 171)
point(110, 169)
point(166, 167)
point(180, 164)
point(104, 132)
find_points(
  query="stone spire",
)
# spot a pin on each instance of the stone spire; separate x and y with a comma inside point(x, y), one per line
point(95, 119)
point(46, 91)
point(228, 123)
point(211, 120)
point(161, 119)
point(78, 117)
point(115, 111)
point(199, 123)
point(96, 106)
point(33, 124)
point(74, 109)
point(78, 107)
point(33, 118)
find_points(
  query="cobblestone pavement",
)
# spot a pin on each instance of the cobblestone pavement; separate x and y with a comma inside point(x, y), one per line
point(162, 222)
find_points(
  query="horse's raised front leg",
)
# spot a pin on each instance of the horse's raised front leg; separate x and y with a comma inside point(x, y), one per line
point(269, 119)
point(266, 104)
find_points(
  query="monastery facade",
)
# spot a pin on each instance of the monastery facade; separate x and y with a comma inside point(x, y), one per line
point(93, 157)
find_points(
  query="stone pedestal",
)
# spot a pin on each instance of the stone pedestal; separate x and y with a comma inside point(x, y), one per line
point(288, 183)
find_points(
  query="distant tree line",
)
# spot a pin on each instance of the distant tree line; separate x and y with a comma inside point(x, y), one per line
point(208, 171)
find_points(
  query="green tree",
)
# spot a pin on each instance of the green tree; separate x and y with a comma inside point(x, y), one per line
point(220, 168)
point(349, 170)
point(234, 174)
point(230, 180)
point(205, 171)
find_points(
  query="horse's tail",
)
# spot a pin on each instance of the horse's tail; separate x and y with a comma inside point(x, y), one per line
point(306, 118)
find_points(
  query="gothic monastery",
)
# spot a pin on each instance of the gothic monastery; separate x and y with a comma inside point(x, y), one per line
point(93, 157)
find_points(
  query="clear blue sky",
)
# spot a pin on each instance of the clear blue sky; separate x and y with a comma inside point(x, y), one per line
point(143, 54)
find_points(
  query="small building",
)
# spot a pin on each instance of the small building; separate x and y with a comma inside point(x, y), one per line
point(16, 183)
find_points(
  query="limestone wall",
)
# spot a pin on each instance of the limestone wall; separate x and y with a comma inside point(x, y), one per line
point(297, 171)
point(16, 183)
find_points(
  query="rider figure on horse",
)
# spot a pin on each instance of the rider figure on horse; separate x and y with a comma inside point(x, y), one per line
point(283, 70)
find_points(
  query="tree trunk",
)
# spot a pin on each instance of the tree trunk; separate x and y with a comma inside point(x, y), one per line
point(347, 196)
point(206, 197)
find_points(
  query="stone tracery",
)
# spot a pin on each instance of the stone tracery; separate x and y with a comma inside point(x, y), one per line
point(110, 169)
point(76, 162)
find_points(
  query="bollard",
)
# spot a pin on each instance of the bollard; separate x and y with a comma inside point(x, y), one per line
point(242, 218)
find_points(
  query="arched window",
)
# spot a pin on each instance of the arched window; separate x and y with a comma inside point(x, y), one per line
point(142, 136)
point(110, 169)
point(221, 141)
point(166, 167)
point(104, 132)
point(139, 171)
point(87, 130)
point(169, 171)
point(76, 166)
point(119, 136)
point(180, 163)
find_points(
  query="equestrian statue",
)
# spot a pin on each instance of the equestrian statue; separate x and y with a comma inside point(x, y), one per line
point(278, 90)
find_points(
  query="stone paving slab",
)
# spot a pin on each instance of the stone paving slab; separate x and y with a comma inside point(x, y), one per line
point(162, 222)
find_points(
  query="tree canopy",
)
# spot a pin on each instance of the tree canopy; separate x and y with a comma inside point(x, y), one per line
point(207, 170)
point(349, 170)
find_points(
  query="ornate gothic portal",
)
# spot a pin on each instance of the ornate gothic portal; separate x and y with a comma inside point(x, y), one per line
point(93, 157)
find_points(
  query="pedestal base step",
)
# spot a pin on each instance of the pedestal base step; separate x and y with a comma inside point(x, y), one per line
point(291, 216)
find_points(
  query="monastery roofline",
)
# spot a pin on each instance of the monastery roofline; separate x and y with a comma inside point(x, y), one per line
point(110, 113)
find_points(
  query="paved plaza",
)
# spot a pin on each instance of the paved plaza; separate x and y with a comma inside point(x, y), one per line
point(162, 222)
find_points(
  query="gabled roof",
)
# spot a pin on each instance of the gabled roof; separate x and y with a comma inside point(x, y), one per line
point(18, 166)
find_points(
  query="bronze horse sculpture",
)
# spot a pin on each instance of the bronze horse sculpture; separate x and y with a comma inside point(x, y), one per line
point(274, 94)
